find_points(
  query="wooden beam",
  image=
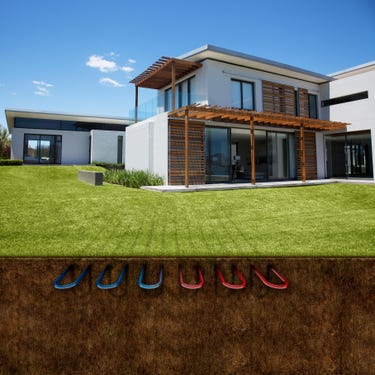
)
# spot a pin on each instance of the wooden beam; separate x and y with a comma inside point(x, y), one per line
point(252, 150)
point(187, 148)
point(173, 72)
point(302, 151)
point(136, 105)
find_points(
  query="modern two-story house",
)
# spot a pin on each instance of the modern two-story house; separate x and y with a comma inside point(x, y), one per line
point(220, 116)
point(224, 116)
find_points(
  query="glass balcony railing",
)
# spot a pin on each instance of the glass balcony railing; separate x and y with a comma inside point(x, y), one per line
point(156, 106)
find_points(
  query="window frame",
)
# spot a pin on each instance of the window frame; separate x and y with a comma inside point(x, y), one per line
point(315, 96)
point(241, 82)
point(178, 93)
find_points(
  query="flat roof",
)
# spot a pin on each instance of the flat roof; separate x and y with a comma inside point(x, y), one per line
point(358, 69)
point(209, 51)
point(11, 114)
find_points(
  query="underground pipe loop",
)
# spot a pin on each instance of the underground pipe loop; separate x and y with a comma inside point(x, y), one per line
point(242, 285)
point(57, 283)
point(117, 283)
point(150, 286)
point(284, 284)
point(198, 285)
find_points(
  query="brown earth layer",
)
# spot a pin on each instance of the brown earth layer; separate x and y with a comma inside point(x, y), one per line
point(322, 324)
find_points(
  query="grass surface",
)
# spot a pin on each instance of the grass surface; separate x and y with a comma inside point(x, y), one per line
point(46, 211)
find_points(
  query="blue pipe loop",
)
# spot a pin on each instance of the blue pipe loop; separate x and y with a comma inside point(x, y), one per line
point(74, 283)
point(117, 283)
point(150, 286)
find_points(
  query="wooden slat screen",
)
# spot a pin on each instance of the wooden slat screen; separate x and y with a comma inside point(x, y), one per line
point(176, 159)
point(278, 98)
point(310, 156)
point(303, 102)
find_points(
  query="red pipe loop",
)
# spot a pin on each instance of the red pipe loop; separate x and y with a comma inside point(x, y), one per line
point(232, 286)
point(284, 285)
point(192, 286)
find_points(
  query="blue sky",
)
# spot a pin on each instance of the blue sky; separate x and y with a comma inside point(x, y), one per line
point(78, 56)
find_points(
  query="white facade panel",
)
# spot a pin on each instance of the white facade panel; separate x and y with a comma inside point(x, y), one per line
point(360, 113)
point(147, 146)
point(104, 146)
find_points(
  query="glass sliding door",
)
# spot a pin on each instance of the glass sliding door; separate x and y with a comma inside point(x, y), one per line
point(349, 155)
point(47, 149)
point(358, 156)
point(217, 153)
point(261, 172)
point(31, 150)
point(42, 149)
point(274, 155)
point(277, 156)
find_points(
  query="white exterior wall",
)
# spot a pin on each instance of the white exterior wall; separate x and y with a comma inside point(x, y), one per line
point(104, 146)
point(219, 76)
point(147, 146)
point(360, 113)
point(75, 145)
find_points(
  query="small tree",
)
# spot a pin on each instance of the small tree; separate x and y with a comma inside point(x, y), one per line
point(4, 143)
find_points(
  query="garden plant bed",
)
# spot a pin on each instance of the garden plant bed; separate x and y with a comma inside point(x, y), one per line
point(322, 323)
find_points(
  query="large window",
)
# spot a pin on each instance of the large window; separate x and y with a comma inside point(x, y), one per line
point(42, 149)
point(183, 95)
point(242, 95)
point(313, 106)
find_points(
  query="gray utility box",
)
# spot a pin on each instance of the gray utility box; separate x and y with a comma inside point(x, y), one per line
point(91, 177)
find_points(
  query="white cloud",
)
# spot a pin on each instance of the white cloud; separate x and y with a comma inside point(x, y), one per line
point(42, 88)
point(132, 61)
point(110, 82)
point(41, 83)
point(113, 54)
point(98, 62)
point(127, 69)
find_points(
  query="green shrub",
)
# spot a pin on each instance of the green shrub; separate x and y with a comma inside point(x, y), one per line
point(132, 179)
point(108, 165)
point(10, 162)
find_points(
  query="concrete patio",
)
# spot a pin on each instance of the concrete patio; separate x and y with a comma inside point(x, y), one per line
point(248, 185)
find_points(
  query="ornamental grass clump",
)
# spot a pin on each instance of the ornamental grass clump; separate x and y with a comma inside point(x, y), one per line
point(132, 178)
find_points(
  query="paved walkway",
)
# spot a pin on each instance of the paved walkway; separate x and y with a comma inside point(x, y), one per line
point(259, 185)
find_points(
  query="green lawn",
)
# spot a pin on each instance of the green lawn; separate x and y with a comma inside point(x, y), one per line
point(46, 211)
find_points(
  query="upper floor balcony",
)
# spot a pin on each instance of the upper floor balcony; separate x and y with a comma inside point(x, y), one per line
point(162, 103)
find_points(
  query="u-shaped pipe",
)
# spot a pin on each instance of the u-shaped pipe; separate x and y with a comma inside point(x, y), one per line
point(242, 285)
point(99, 283)
point(192, 286)
point(284, 285)
point(142, 285)
point(57, 283)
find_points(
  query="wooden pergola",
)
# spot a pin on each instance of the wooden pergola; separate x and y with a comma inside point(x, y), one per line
point(251, 118)
point(166, 71)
